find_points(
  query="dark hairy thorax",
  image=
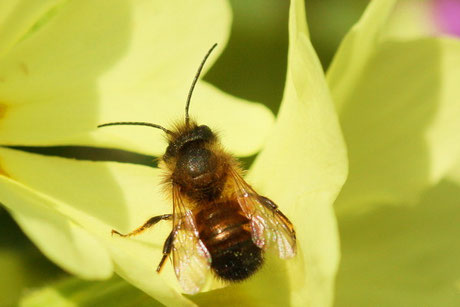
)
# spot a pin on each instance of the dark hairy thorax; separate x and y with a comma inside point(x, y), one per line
point(200, 172)
point(197, 165)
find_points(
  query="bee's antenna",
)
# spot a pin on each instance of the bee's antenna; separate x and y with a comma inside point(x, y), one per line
point(187, 105)
point(137, 124)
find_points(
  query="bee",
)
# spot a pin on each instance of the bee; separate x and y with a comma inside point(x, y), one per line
point(219, 222)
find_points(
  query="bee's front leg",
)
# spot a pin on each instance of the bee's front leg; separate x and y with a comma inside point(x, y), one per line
point(152, 221)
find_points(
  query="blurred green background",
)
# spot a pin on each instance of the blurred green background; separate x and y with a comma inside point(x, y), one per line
point(253, 67)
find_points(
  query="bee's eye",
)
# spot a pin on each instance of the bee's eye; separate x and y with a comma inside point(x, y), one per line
point(204, 133)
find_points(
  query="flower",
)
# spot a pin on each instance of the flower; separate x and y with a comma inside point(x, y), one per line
point(69, 207)
point(67, 66)
point(301, 167)
point(398, 103)
point(447, 14)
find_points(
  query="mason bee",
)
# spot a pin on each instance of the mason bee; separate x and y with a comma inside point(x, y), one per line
point(219, 223)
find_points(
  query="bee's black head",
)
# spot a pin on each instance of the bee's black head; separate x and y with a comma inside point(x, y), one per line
point(197, 135)
point(191, 158)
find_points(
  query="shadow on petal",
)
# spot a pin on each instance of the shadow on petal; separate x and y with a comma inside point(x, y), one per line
point(50, 80)
point(403, 256)
point(397, 122)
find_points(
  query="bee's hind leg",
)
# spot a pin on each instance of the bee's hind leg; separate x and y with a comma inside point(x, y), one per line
point(152, 221)
point(166, 250)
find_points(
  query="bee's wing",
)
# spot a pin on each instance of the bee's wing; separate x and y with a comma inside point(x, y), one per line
point(191, 259)
point(268, 224)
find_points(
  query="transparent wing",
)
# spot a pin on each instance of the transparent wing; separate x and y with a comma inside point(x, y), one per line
point(268, 224)
point(191, 259)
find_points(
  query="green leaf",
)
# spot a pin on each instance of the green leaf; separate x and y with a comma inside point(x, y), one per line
point(403, 255)
point(77, 292)
point(302, 168)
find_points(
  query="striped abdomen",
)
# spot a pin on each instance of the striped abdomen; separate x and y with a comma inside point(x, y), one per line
point(226, 233)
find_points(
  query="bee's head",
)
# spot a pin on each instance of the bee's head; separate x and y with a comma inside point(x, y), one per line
point(186, 137)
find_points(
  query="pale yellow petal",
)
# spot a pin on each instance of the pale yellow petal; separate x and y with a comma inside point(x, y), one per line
point(120, 60)
point(18, 18)
point(58, 237)
point(243, 126)
point(403, 255)
point(412, 19)
point(73, 292)
point(356, 49)
point(400, 121)
point(99, 197)
point(301, 168)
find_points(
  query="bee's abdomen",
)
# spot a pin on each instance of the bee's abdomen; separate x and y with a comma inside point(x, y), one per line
point(225, 232)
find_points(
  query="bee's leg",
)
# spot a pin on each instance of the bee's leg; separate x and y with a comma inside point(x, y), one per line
point(166, 250)
point(152, 221)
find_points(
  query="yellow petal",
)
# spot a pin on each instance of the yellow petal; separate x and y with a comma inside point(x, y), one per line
point(301, 168)
point(18, 18)
point(398, 109)
point(58, 237)
point(412, 19)
point(76, 292)
point(403, 255)
point(92, 63)
point(454, 173)
point(356, 49)
point(100, 197)
point(243, 126)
